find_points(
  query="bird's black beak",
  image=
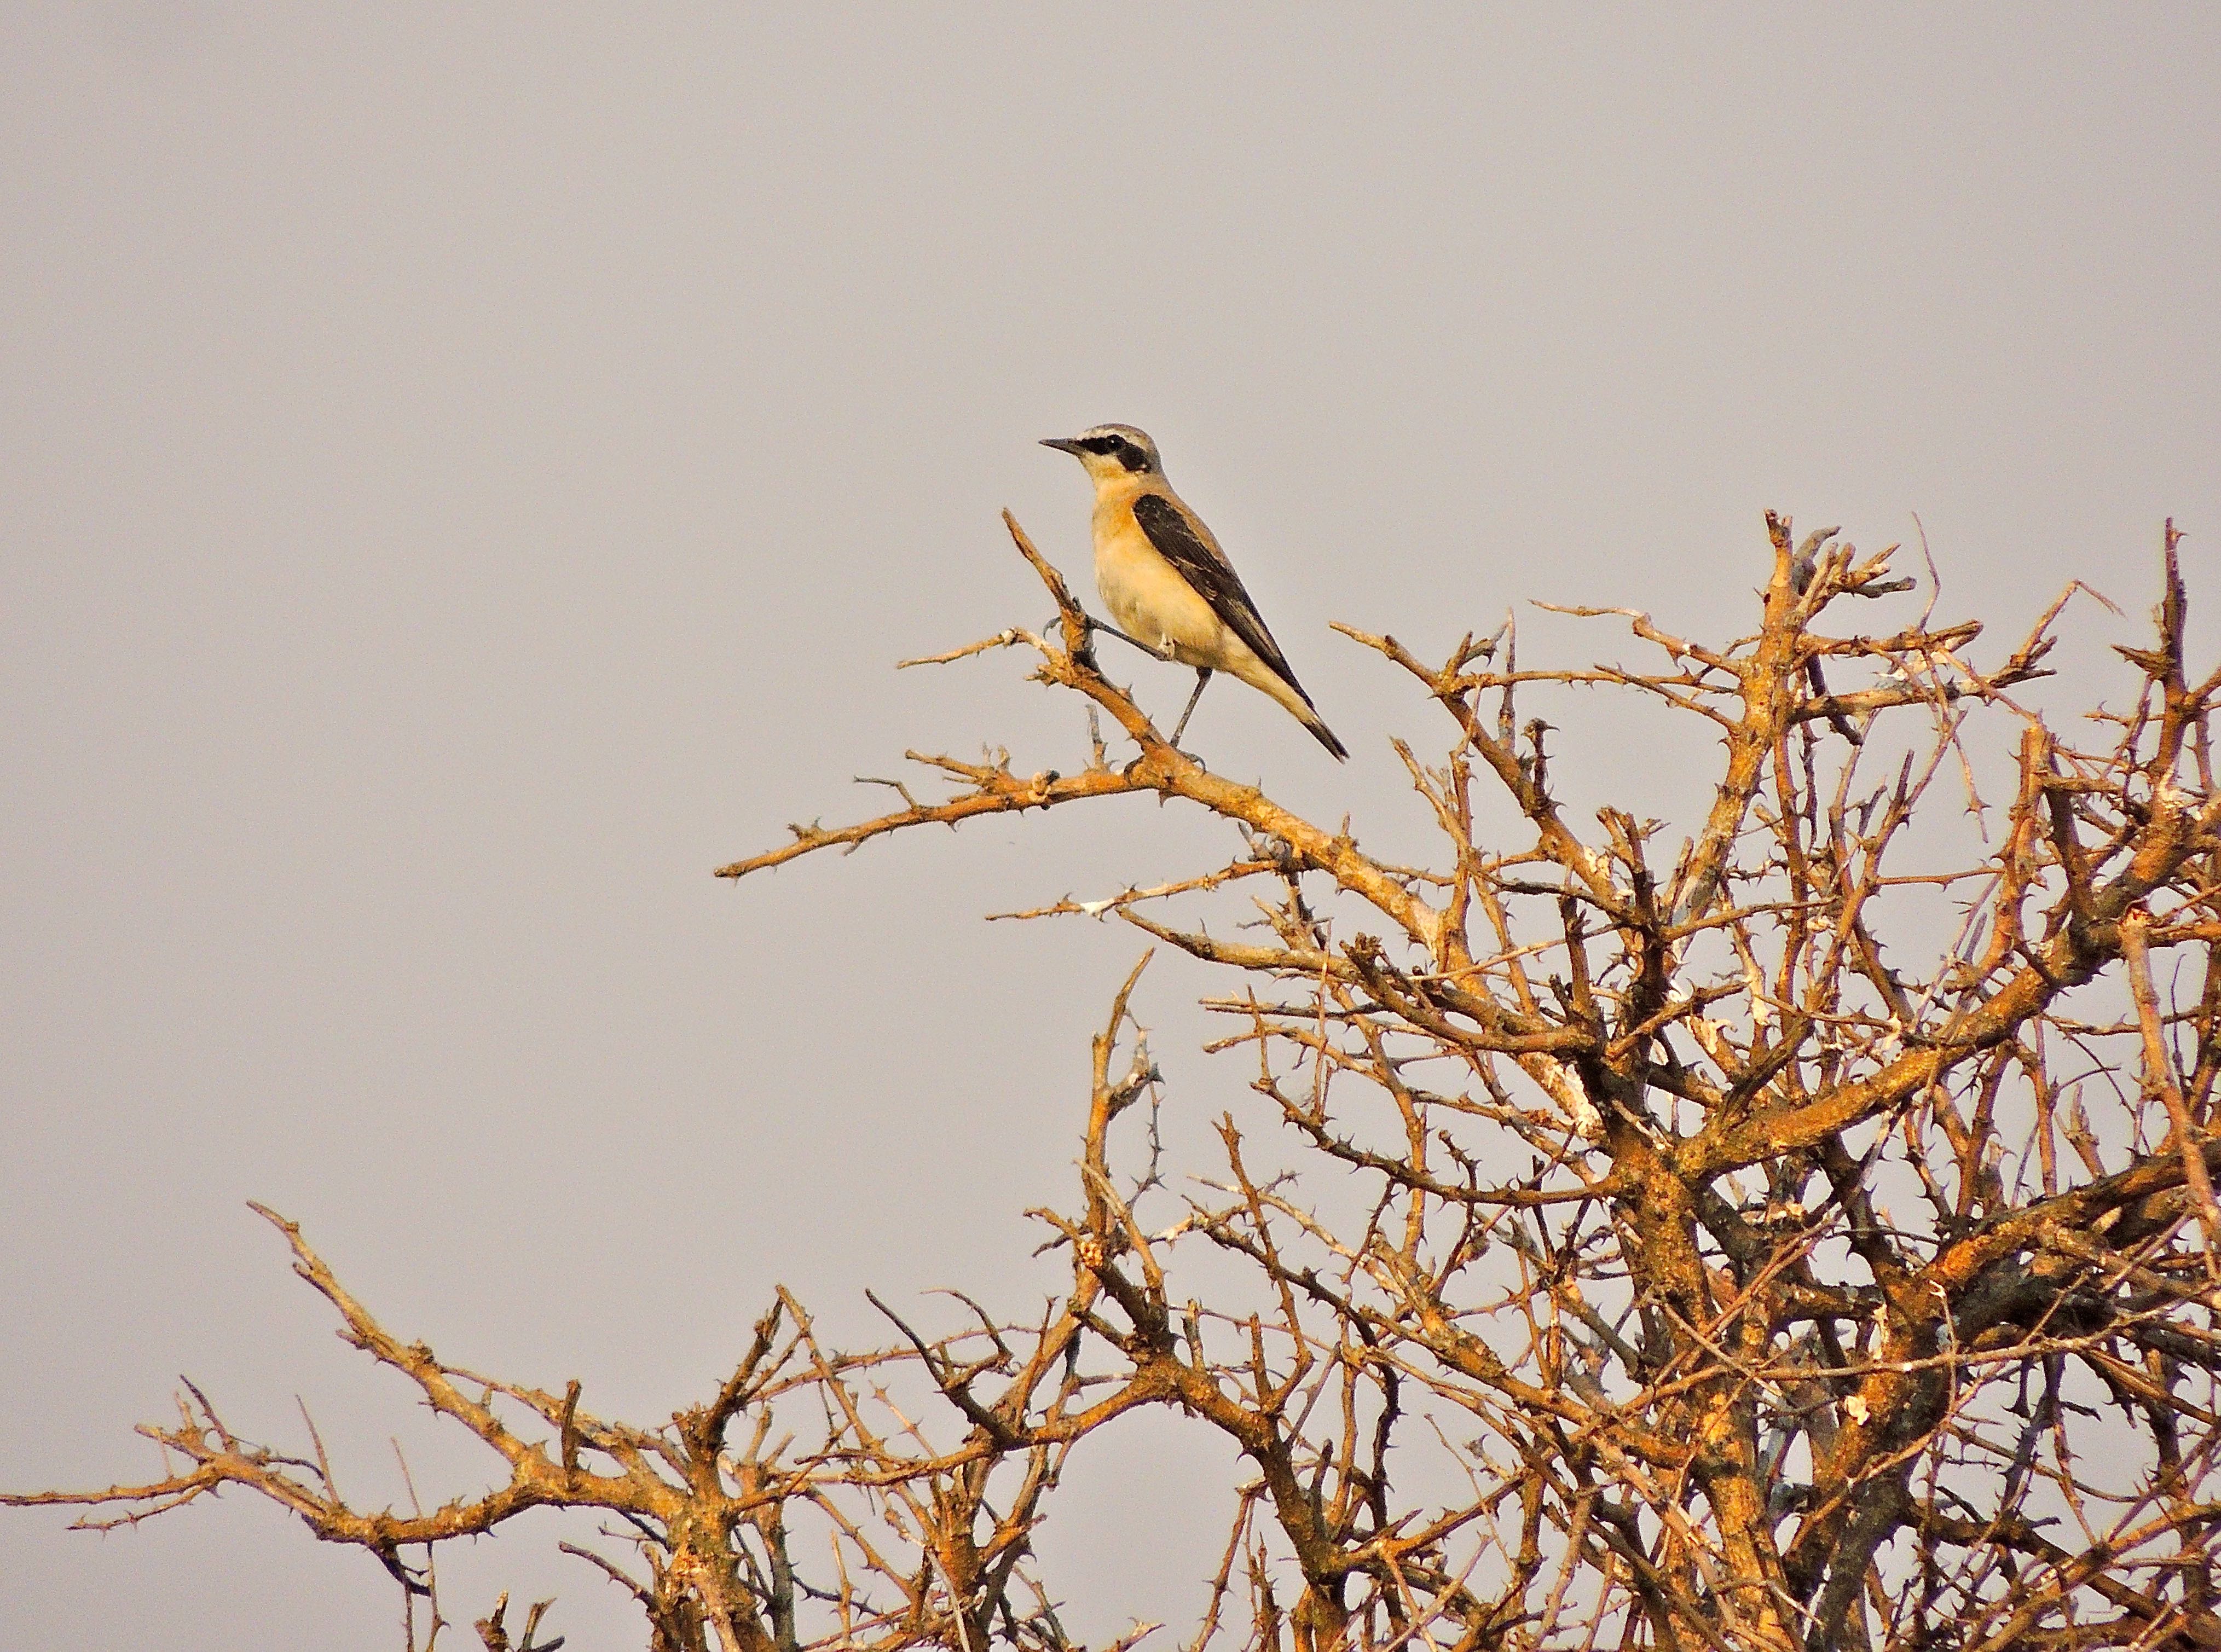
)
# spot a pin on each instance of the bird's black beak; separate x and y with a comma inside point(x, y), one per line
point(1063, 444)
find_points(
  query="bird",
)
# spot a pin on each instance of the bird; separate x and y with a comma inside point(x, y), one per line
point(1168, 583)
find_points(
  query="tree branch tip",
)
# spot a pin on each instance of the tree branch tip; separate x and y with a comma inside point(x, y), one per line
point(290, 1229)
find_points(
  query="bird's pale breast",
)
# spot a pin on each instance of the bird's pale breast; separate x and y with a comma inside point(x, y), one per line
point(1149, 600)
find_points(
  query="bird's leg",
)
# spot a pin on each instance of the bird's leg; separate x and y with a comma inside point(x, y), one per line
point(1202, 681)
point(1154, 653)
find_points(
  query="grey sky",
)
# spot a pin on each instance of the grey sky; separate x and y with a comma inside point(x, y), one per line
point(464, 474)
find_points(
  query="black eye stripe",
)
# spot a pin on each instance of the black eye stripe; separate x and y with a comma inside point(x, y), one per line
point(1133, 456)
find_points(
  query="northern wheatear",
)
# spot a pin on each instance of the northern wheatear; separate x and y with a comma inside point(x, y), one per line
point(1167, 582)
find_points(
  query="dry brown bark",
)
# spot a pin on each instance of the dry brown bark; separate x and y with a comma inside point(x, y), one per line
point(1678, 1378)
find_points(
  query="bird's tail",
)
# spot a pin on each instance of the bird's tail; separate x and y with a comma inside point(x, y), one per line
point(1323, 735)
point(1290, 693)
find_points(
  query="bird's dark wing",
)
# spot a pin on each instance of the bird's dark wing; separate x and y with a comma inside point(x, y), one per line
point(1216, 583)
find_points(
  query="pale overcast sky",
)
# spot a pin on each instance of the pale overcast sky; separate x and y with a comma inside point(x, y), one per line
point(465, 473)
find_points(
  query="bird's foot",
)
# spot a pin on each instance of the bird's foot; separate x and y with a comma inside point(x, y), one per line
point(1129, 771)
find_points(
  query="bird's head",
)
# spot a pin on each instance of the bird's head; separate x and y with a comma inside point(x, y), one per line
point(1111, 450)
